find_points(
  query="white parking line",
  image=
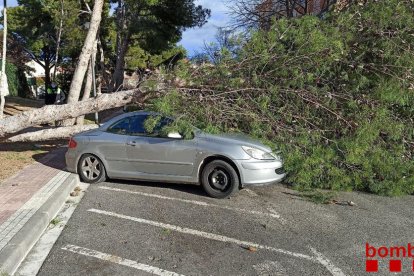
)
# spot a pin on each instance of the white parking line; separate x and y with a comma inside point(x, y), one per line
point(118, 260)
point(270, 268)
point(273, 213)
point(335, 271)
point(202, 234)
point(327, 263)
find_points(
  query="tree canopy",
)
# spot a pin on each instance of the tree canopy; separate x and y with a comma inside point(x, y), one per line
point(35, 24)
point(153, 25)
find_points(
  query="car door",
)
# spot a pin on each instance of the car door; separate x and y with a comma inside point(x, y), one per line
point(156, 155)
point(111, 145)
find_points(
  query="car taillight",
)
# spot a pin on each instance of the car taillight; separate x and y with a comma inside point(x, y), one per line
point(72, 143)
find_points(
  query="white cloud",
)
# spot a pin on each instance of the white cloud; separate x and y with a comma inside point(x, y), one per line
point(193, 39)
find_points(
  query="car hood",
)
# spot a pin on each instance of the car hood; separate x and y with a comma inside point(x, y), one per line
point(240, 139)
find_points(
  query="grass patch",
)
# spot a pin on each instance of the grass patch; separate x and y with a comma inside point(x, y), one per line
point(16, 156)
point(55, 221)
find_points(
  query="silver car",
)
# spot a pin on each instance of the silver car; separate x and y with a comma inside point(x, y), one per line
point(122, 149)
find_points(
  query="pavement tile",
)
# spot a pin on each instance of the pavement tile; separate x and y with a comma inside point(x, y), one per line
point(18, 189)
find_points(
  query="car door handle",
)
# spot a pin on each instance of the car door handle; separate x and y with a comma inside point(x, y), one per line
point(133, 143)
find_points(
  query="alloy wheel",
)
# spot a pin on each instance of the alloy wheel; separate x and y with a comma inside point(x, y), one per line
point(91, 168)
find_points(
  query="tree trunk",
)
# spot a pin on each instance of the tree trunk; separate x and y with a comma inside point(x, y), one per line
point(118, 77)
point(2, 103)
point(48, 81)
point(87, 50)
point(86, 92)
point(4, 87)
point(4, 90)
point(122, 39)
point(59, 38)
point(85, 55)
point(50, 113)
point(102, 76)
point(51, 134)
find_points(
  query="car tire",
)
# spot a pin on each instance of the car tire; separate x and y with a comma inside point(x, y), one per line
point(219, 179)
point(91, 169)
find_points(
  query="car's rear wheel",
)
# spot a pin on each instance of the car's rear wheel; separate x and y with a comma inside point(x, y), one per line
point(91, 169)
point(219, 179)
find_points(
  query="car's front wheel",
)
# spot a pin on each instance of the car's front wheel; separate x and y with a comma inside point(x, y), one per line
point(219, 179)
point(91, 169)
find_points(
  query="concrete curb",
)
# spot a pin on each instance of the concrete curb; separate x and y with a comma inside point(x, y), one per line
point(19, 246)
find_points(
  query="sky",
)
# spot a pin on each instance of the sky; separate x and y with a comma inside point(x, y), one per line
point(10, 3)
point(193, 39)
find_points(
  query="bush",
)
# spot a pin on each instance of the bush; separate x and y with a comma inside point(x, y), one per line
point(335, 95)
point(17, 81)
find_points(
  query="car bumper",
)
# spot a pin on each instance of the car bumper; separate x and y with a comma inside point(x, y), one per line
point(70, 158)
point(255, 172)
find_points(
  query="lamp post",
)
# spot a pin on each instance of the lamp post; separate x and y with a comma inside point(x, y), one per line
point(4, 87)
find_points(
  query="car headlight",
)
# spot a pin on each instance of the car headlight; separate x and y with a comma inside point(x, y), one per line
point(258, 154)
point(277, 156)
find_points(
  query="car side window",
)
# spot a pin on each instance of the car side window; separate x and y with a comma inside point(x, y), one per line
point(137, 125)
point(161, 124)
point(121, 127)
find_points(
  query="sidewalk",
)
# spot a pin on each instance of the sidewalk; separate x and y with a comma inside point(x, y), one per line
point(28, 202)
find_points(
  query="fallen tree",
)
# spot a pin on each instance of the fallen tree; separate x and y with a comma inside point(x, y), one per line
point(50, 134)
point(53, 113)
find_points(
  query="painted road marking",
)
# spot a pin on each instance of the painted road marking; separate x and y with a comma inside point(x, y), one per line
point(327, 263)
point(118, 260)
point(202, 234)
point(272, 213)
point(270, 268)
point(317, 258)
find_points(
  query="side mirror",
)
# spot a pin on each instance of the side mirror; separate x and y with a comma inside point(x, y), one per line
point(174, 135)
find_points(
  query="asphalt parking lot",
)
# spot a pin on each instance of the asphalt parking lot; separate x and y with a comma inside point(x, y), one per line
point(130, 228)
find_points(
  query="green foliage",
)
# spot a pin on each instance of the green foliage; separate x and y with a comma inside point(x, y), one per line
point(55, 221)
point(151, 122)
point(35, 25)
point(154, 125)
point(335, 95)
point(150, 30)
point(17, 80)
point(138, 58)
point(158, 24)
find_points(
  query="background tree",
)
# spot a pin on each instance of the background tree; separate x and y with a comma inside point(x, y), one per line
point(153, 25)
point(227, 44)
point(260, 13)
point(16, 68)
point(36, 24)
